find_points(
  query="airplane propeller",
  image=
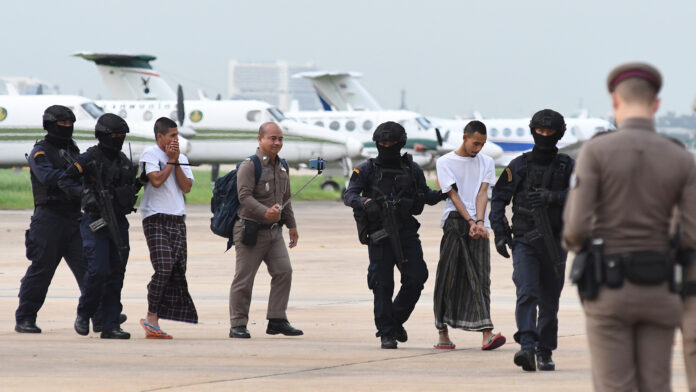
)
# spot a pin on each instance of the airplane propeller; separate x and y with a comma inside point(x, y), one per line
point(439, 137)
point(180, 114)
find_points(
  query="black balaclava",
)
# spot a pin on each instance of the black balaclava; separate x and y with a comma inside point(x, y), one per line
point(107, 125)
point(392, 132)
point(545, 146)
point(59, 135)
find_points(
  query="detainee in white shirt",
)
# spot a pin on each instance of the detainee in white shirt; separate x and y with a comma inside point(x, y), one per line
point(163, 211)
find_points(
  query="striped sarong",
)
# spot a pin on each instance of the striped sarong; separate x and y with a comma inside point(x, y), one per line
point(462, 285)
point(167, 292)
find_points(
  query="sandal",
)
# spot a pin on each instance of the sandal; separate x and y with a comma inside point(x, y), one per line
point(444, 346)
point(152, 332)
point(494, 342)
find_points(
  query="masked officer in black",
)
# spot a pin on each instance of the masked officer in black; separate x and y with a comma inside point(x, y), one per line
point(537, 182)
point(109, 188)
point(54, 231)
point(385, 193)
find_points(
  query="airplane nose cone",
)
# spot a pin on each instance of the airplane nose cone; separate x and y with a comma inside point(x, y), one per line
point(354, 147)
point(492, 150)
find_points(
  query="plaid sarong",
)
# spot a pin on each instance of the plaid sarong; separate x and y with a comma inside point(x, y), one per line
point(462, 285)
point(167, 292)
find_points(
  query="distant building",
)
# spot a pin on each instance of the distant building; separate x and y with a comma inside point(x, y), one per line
point(272, 82)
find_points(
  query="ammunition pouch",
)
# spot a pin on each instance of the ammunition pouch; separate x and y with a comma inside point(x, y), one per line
point(250, 232)
point(125, 196)
point(363, 224)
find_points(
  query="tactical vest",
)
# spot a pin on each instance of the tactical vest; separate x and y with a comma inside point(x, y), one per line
point(118, 176)
point(398, 184)
point(552, 176)
point(50, 194)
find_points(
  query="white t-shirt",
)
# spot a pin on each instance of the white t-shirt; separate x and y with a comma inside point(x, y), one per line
point(468, 173)
point(168, 198)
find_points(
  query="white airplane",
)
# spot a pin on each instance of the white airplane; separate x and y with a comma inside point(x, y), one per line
point(224, 131)
point(344, 92)
point(21, 126)
point(357, 113)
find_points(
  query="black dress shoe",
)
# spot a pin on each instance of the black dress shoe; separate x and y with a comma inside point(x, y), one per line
point(525, 359)
point(276, 326)
point(27, 326)
point(401, 335)
point(116, 333)
point(82, 325)
point(98, 324)
point(388, 341)
point(544, 362)
point(240, 332)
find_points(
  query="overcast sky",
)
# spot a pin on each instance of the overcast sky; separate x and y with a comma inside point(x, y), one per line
point(502, 58)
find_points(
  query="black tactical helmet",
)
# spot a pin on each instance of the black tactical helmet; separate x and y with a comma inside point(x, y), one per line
point(548, 119)
point(110, 123)
point(56, 113)
point(390, 132)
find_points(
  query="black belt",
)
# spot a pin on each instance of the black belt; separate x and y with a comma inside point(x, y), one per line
point(642, 268)
point(276, 225)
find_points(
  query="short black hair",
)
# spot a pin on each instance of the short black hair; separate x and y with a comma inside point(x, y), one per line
point(163, 125)
point(475, 127)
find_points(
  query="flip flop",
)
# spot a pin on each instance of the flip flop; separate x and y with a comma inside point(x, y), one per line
point(444, 346)
point(152, 332)
point(494, 342)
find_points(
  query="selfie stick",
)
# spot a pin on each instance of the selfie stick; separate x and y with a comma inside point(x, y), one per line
point(301, 188)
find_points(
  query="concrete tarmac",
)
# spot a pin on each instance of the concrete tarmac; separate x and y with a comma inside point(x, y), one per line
point(330, 301)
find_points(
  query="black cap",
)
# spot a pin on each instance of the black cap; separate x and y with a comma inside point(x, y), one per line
point(548, 119)
point(390, 131)
point(110, 123)
point(634, 70)
point(57, 113)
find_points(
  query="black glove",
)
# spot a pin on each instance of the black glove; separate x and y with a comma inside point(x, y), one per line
point(500, 246)
point(89, 202)
point(443, 196)
point(542, 197)
point(373, 211)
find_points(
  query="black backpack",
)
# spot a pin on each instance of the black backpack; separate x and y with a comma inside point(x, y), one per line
point(225, 204)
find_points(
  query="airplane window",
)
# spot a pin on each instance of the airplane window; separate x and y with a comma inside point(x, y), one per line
point(92, 109)
point(423, 122)
point(253, 115)
point(494, 132)
point(367, 125)
point(334, 125)
point(173, 115)
point(122, 113)
point(131, 107)
point(319, 124)
point(142, 106)
point(147, 116)
point(152, 106)
point(520, 132)
point(350, 125)
point(507, 132)
point(276, 113)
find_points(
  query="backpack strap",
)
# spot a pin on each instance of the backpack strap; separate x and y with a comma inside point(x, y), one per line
point(257, 167)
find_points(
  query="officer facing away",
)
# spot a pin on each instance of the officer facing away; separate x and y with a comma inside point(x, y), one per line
point(626, 186)
point(537, 182)
point(54, 231)
point(385, 193)
point(108, 191)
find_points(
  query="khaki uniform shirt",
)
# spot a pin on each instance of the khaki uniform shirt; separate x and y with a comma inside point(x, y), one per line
point(273, 188)
point(626, 185)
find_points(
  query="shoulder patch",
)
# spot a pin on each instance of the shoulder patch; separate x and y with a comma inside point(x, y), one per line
point(356, 170)
point(509, 174)
point(39, 153)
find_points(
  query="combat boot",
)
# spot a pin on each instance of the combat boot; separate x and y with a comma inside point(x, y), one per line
point(525, 359)
point(388, 341)
point(544, 362)
point(401, 334)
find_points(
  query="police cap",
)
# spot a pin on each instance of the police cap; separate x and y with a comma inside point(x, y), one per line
point(57, 113)
point(390, 131)
point(110, 123)
point(634, 70)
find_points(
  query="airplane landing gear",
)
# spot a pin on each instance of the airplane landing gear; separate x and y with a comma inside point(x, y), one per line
point(330, 185)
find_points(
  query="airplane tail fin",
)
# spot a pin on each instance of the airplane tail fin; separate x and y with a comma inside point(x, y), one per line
point(130, 77)
point(341, 90)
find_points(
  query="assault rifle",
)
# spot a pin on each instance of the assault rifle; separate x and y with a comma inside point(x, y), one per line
point(390, 228)
point(542, 236)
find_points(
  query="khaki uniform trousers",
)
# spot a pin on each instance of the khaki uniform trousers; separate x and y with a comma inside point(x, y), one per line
point(689, 340)
point(271, 249)
point(630, 331)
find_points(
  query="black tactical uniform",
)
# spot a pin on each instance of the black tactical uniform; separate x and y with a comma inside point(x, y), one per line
point(54, 230)
point(109, 177)
point(392, 182)
point(537, 182)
